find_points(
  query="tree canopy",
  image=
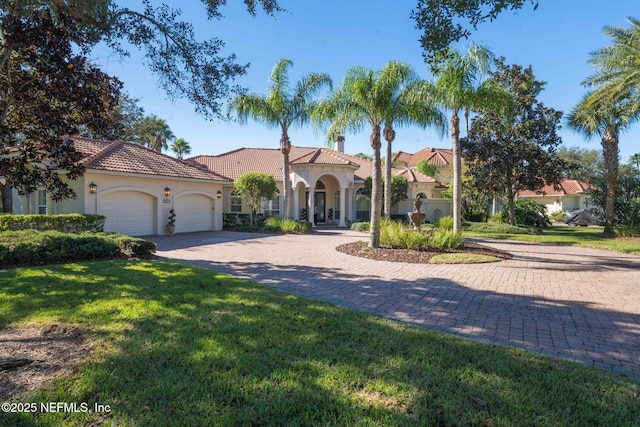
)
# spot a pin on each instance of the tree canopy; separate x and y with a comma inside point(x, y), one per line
point(185, 66)
point(440, 21)
point(48, 89)
point(517, 151)
point(47, 92)
point(253, 187)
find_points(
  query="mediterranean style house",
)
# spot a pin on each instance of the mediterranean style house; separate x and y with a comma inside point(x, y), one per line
point(135, 187)
point(571, 195)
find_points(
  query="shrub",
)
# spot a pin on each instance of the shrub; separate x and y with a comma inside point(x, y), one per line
point(528, 212)
point(558, 216)
point(627, 230)
point(360, 226)
point(396, 235)
point(446, 239)
point(229, 220)
point(445, 223)
point(400, 218)
point(496, 218)
point(65, 223)
point(30, 247)
point(286, 225)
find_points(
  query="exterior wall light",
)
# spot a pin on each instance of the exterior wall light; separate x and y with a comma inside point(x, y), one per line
point(93, 188)
point(219, 194)
point(167, 191)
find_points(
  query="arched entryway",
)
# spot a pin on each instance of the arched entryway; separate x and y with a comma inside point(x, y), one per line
point(324, 206)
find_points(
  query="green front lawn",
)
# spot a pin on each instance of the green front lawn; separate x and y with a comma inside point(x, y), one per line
point(178, 345)
point(588, 237)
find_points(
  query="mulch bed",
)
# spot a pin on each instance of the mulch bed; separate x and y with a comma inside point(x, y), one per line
point(31, 356)
point(415, 257)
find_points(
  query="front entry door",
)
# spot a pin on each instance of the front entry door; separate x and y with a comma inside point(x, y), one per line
point(319, 209)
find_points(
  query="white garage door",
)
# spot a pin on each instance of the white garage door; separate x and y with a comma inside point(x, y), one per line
point(129, 212)
point(194, 212)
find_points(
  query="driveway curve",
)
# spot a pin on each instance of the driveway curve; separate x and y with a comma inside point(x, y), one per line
point(572, 303)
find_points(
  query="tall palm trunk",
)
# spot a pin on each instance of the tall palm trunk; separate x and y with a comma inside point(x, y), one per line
point(610, 154)
point(285, 148)
point(376, 189)
point(389, 136)
point(457, 169)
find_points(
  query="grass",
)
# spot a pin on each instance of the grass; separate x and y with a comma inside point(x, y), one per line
point(588, 237)
point(178, 345)
point(463, 258)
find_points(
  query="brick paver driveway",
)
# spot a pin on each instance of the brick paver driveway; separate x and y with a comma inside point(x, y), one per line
point(573, 303)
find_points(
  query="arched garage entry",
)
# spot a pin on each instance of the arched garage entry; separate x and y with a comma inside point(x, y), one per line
point(194, 212)
point(129, 212)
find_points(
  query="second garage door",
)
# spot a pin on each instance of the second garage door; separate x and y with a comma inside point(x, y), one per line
point(194, 212)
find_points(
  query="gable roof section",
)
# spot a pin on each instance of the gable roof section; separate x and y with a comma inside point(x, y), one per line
point(435, 156)
point(323, 156)
point(567, 187)
point(269, 160)
point(415, 176)
point(126, 157)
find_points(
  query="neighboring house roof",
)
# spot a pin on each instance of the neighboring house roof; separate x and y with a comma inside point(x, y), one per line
point(415, 176)
point(269, 160)
point(566, 187)
point(435, 156)
point(126, 157)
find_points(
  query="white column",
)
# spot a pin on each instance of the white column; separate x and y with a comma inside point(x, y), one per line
point(310, 207)
point(342, 208)
point(296, 204)
point(350, 204)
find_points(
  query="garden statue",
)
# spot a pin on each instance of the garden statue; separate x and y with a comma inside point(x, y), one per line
point(416, 217)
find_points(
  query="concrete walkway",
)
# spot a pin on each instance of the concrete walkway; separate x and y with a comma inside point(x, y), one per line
point(573, 303)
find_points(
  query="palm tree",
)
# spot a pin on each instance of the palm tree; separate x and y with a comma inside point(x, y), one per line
point(366, 97)
point(283, 107)
point(458, 88)
point(598, 114)
point(411, 103)
point(635, 158)
point(153, 132)
point(180, 147)
point(614, 104)
point(618, 65)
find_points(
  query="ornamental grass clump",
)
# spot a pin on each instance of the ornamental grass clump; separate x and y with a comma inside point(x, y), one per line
point(396, 235)
point(445, 223)
point(286, 225)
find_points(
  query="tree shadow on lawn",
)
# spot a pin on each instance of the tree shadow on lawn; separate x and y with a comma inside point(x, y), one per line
point(185, 346)
point(567, 329)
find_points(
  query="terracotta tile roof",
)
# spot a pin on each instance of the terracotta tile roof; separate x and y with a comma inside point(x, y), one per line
point(567, 187)
point(324, 156)
point(126, 157)
point(435, 156)
point(413, 176)
point(269, 160)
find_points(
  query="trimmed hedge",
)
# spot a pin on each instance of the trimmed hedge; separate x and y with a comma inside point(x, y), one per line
point(32, 247)
point(65, 223)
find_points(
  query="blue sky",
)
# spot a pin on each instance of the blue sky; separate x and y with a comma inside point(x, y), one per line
point(331, 36)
